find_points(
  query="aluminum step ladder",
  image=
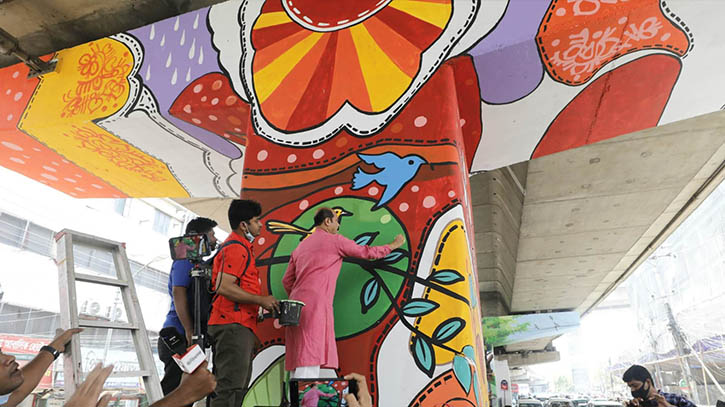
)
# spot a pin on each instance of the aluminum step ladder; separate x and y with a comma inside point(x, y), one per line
point(67, 277)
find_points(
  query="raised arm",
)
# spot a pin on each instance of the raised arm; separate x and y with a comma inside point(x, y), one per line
point(349, 248)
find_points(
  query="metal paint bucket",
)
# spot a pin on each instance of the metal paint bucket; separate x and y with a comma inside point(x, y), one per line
point(289, 312)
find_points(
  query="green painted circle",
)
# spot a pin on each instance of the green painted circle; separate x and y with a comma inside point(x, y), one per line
point(349, 319)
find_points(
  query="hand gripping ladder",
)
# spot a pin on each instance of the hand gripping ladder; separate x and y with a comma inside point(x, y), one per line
point(67, 278)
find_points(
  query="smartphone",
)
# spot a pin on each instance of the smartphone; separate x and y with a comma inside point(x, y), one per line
point(321, 392)
point(191, 247)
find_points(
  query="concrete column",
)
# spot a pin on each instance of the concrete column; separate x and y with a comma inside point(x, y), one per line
point(497, 199)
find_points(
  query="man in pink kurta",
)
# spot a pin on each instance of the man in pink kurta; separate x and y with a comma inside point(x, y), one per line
point(311, 277)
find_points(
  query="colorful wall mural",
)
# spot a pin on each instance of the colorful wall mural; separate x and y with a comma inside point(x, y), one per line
point(381, 108)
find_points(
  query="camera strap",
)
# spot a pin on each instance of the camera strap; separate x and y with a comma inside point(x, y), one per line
point(239, 280)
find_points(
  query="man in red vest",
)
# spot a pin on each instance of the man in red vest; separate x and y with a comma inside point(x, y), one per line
point(233, 320)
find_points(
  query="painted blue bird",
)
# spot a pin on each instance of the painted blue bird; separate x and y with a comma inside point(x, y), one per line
point(394, 173)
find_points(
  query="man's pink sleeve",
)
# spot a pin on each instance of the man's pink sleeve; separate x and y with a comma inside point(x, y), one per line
point(349, 248)
point(288, 281)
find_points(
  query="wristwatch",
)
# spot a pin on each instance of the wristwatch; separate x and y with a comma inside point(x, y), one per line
point(53, 351)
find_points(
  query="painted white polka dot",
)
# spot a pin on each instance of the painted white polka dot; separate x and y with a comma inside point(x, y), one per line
point(187, 109)
point(7, 92)
point(262, 155)
point(15, 74)
point(338, 190)
point(666, 36)
point(451, 194)
point(12, 146)
point(561, 12)
point(385, 219)
point(622, 20)
point(317, 154)
point(36, 149)
point(555, 43)
point(373, 191)
point(403, 207)
point(78, 176)
point(96, 186)
point(55, 163)
point(462, 122)
point(214, 101)
point(71, 180)
point(51, 169)
point(116, 196)
point(79, 189)
point(198, 88)
point(65, 161)
point(420, 121)
point(415, 188)
point(27, 157)
point(48, 176)
point(261, 241)
point(304, 204)
point(213, 118)
point(10, 117)
point(17, 160)
point(196, 121)
point(204, 98)
point(429, 202)
point(18, 96)
point(291, 158)
point(74, 194)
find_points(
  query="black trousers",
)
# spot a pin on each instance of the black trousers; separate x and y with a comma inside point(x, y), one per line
point(172, 372)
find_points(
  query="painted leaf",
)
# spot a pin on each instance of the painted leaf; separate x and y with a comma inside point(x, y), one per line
point(423, 355)
point(471, 354)
point(366, 239)
point(446, 276)
point(369, 295)
point(419, 307)
point(395, 256)
point(462, 371)
point(448, 329)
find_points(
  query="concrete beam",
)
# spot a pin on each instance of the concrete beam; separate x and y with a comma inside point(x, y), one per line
point(529, 358)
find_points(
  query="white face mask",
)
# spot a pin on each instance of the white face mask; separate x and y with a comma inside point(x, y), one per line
point(4, 398)
point(248, 235)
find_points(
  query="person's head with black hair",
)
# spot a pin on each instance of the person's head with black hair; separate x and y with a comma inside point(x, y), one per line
point(244, 217)
point(203, 226)
point(640, 382)
point(327, 220)
point(200, 225)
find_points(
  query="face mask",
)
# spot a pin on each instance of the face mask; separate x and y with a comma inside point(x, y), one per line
point(641, 393)
point(248, 235)
point(4, 398)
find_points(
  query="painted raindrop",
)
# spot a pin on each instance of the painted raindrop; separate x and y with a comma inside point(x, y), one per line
point(183, 38)
point(148, 73)
point(176, 24)
point(168, 60)
point(188, 75)
point(152, 34)
point(201, 56)
point(196, 21)
point(192, 49)
point(163, 40)
point(174, 77)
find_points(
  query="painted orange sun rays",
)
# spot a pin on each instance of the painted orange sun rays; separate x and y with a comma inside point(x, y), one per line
point(374, 61)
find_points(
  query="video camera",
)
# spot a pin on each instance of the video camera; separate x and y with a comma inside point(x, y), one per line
point(193, 247)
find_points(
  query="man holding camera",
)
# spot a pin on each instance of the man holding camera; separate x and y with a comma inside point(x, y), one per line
point(181, 313)
point(645, 394)
point(17, 383)
point(235, 307)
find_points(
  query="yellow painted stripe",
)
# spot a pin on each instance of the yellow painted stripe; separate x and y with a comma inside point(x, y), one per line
point(433, 13)
point(384, 80)
point(272, 19)
point(269, 77)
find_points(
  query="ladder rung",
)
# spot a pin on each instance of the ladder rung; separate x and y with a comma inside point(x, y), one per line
point(87, 323)
point(100, 280)
point(135, 373)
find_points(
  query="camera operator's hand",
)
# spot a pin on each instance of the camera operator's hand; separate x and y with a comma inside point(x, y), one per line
point(269, 303)
point(63, 338)
point(661, 400)
point(362, 398)
point(87, 393)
